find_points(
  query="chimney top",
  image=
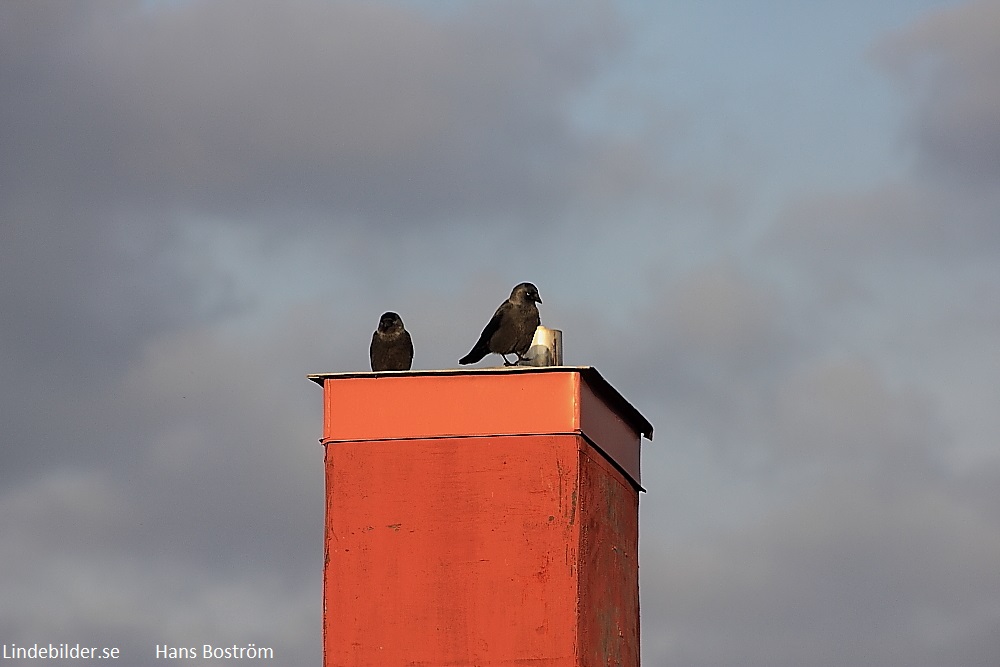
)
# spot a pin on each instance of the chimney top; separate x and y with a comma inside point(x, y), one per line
point(590, 374)
point(485, 402)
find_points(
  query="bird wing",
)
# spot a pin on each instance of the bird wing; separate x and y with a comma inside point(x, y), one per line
point(373, 350)
point(482, 346)
point(494, 324)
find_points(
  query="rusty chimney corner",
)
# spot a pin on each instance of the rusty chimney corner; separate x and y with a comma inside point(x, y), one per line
point(480, 516)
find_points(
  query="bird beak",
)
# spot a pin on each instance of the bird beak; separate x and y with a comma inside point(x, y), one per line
point(538, 298)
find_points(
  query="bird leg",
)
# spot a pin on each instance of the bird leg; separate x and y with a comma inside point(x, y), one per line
point(507, 363)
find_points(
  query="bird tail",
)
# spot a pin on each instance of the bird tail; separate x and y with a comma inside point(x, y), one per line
point(475, 355)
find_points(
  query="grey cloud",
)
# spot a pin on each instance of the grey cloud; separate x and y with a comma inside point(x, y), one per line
point(230, 423)
point(86, 286)
point(708, 349)
point(838, 242)
point(947, 62)
point(852, 539)
point(203, 521)
point(67, 576)
point(356, 110)
point(82, 293)
point(943, 212)
point(842, 411)
point(849, 575)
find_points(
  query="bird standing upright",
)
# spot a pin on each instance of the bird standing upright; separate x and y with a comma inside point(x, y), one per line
point(391, 348)
point(511, 329)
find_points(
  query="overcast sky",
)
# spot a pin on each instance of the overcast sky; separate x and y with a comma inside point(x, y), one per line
point(773, 226)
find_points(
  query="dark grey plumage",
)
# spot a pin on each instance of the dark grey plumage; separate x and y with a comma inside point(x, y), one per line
point(392, 348)
point(511, 329)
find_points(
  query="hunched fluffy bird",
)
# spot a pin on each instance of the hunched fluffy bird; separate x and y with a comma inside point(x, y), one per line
point(391, 348)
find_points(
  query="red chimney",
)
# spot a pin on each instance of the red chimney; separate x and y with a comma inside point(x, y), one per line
point(480, 517)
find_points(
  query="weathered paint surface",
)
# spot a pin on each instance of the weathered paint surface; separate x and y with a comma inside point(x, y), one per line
point(473, 549)
point(609, 567)
point(452, 552)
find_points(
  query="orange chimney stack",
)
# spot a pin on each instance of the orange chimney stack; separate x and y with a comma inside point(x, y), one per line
point(480, 517)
